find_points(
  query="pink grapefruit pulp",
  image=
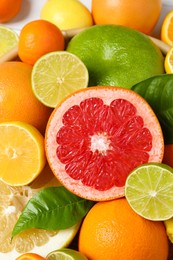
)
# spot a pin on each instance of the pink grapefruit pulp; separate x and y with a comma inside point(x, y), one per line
point(97, 136)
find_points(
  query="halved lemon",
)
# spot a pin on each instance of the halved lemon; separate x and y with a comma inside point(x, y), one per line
point(169, 61)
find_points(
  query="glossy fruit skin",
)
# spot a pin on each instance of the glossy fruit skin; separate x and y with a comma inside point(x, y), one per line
point(9, 9)
point(18, 102)
point(37, 38)
point(30, 256)
point(114, 230)
point(141, 15)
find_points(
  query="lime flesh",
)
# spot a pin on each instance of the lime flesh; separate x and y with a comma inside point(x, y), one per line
point(66, 254)
point(10, 40)
point(149, 191)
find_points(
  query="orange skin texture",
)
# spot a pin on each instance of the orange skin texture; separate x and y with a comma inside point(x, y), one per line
point(141, 15)
point(9, 9)
point(30, 256)
point(168, 155)
point(114, 230)
point(37, 38)
point(17, 101)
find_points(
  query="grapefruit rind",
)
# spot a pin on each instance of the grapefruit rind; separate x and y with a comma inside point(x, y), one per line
point(107, 94)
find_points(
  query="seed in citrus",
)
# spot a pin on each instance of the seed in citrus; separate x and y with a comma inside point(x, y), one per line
point(97, 136)
point(10, 40)
point(9, 9)
point(41, 242)
point(168, 155)
point(56, 75)
point(66, 14)
point(116, 55)
point(18, 102)
point(128, 13)
point(30, 256)
point(113, 230)
point(37, 38)
point(167, 28)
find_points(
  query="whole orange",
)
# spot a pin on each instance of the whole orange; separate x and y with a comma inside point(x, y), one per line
point(17, 101)
point(112, 230)
point(141, 15)
point(37, 38)
point(9, 9)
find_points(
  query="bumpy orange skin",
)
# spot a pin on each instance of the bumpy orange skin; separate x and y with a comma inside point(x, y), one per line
point(141, 15)
point(9, 9)
point(112, 230)
point(17, 101)
point(37, 38)
point(30, 256)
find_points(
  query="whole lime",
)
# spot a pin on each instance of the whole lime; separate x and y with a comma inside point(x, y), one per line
point(116, 55)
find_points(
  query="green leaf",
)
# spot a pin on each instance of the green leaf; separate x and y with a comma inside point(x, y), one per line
point(158, 92)
point(52, 208)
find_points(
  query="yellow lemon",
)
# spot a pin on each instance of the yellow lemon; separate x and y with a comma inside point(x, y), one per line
point(66, 14)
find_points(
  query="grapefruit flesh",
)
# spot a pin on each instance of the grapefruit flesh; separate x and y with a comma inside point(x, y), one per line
point(97, 136)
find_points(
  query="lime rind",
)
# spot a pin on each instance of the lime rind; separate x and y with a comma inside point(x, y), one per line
point(56, 75)
point(149, 191)
point(66, 254)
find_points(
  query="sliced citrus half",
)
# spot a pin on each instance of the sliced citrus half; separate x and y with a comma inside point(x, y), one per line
point(22, 154)
point(97, 136)
point(167, 29)
point(149, 191)
point(9, 40)
point(57, 74)
point(169, 61)
point(12, 202)
point(66, 254)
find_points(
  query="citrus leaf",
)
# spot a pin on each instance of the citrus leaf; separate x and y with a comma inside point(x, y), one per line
point(157, 91)
point(53, 208)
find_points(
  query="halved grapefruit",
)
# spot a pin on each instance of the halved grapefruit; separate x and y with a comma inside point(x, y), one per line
point(97, 136)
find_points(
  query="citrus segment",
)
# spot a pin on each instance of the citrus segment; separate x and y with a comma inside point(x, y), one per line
point(167, 29)
point(65, 254)
point(10, 40)
point(97, 136)
point(149, 191)
point(57, 74)
point(169, 61)
point(12, 202)
point(21, 152)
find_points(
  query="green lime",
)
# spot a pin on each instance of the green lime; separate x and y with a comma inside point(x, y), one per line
point(116, 55)
point(149, 191)
point(56, 75)
point(66, 254)
point(9, 40)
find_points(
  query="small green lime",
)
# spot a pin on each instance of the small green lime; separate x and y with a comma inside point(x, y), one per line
point(149, 191)
point(66, 254)
point(116, 55)
point(9, 40)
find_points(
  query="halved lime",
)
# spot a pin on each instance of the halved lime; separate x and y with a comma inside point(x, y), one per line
point(56, 75)
point(66, 254)
point(8, 40)
point(149, 191)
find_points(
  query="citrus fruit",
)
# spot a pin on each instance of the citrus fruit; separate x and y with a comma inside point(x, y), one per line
point(168, 155)
point(169, 61)
point(18, 102)
point(96, 136)
point(37, 38)
point(157, 91)
point(9, 9)
point(66, 254)
point(116, 55)
point(57, 74)
point(22, 153)
point(38, 241)
point(169, 228)
point(66, 14)
point(167, 28)
point(10, 40)
point(149, 191)
point(141, 15)
point(113, 230)
point(30, 256)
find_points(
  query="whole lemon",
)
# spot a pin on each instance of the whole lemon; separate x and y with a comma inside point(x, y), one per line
point(66, 14)
point(116, 55)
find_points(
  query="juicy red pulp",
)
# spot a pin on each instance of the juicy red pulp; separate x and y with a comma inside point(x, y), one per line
point(100, 144)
